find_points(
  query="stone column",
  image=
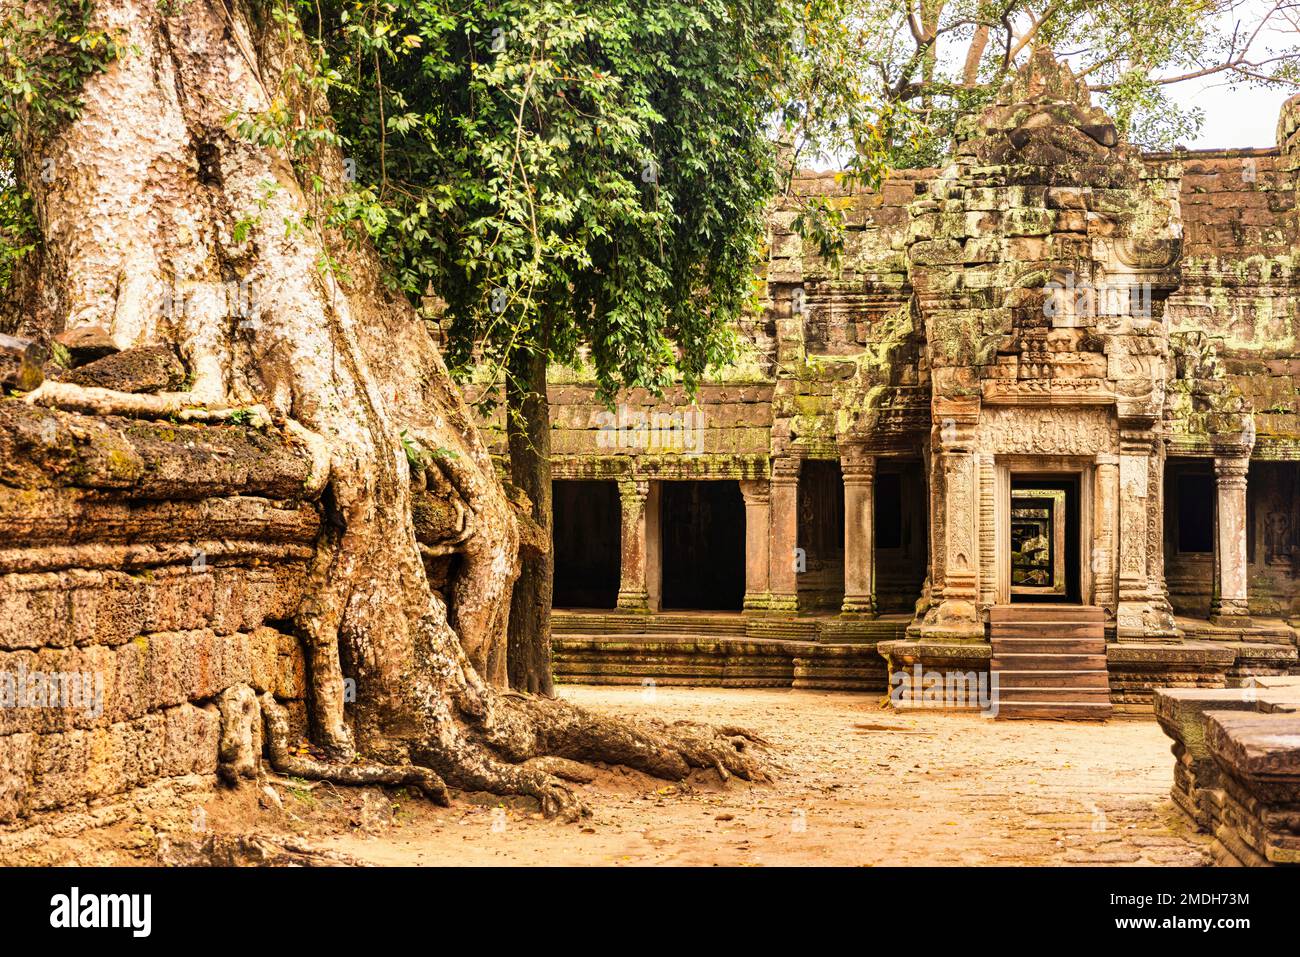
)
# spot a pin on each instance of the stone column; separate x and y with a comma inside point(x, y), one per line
point(1156, 540)
point(988, 528)
point(957, 617)
point(859, 471)
point(784, 537)
point(1230, 605)
point(960, 564)
point(1105, 509)
point(632, 592)
point(758, 520)
point(1134, 609)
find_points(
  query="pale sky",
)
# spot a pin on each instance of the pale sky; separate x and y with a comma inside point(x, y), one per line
point(1244, 116)
point(1240, 117)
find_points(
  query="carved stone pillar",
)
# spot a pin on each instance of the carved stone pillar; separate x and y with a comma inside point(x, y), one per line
point(1156, 540)
point(1230, 605)
point(1134, 595)
point(758, 519)
point(859, 470)
point(957, 617)
point(783, 540)
point(988, 528)
point(1140, 613)
point(1104, 551)
point(632, 592)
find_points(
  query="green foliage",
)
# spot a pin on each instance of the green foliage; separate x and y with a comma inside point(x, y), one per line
point(45, 58)
point(922, 64)
point(18, 233)
point(579, 177)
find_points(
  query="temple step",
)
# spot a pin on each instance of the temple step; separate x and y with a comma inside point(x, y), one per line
point(1054, 662)
point(1055, 645)
point(1046, 678)
point(1056, 614)
point(1055, 711)
point(1050, 630)
point(1069, 695)
point(1050, 661)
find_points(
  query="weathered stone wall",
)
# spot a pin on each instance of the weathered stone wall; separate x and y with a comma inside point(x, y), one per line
point(1235, 333)
point(839, 352)
point(848, 357)
point(1237, 767)
point(1239, 301)
point(157, 563)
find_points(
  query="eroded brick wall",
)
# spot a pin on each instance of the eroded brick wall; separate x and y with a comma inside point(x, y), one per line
point(153, 561)
point(1237, 314)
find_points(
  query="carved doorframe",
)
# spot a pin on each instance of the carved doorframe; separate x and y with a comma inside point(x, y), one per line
point(1048, 467)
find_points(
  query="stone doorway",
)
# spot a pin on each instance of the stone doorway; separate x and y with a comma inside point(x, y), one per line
point(703, 529)
point(820, 564)
point(1043, 536)
point(587, 538)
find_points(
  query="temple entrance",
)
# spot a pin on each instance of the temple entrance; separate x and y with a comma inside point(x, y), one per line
point(821, 536)
point(587, 539)
point(1044, 546)
point(703, 528)
point(901, 513)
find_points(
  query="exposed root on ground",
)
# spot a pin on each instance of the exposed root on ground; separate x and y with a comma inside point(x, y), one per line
point(538, 746)
point(252, 850)
point(285, 762)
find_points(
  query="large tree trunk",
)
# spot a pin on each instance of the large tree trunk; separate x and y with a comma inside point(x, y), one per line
point(148, 186)
point(529, 427)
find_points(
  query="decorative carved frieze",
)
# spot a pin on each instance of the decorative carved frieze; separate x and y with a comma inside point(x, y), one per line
point(1008, 430)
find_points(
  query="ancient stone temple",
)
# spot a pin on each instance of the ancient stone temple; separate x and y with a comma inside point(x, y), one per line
point(1040, 422)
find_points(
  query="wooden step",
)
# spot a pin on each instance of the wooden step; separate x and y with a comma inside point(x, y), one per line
point(1064, 695)
point(1047, 678)
point(1049, 646)
point(1017, 662)
point(1045, 629)
point(1047, 613)
point(1055, 711)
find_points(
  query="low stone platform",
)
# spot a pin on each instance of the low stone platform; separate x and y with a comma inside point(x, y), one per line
point(1237, 767)
point(955, 663)
point(721, 650)
point(1135, 670)
point(829, 652)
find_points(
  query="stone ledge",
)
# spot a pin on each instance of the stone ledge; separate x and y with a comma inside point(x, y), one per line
point(1237, 767)
point(717, 661)
point(160, 461)
point(1138, 670)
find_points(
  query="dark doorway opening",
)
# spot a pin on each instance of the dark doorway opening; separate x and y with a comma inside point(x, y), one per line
point(703, 528)
point(1195, 502)
point(1044, 549)
point(821, 536)
point(587, 538)
point(901, 537)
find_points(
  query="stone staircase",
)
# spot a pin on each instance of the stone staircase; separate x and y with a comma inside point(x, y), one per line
point(1050, 661)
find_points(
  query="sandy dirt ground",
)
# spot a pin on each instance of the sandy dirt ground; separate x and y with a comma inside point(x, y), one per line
point(857, 785)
